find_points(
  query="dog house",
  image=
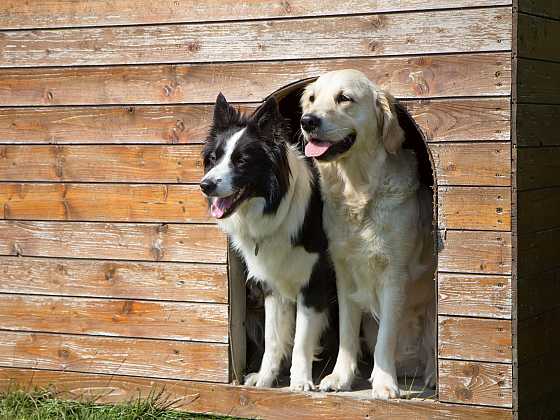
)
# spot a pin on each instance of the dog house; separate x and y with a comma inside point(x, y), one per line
point(114, 280)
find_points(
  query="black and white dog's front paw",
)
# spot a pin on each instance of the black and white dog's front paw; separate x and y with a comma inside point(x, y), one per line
point(260, 379)
point(337, 381)
point(301, 383)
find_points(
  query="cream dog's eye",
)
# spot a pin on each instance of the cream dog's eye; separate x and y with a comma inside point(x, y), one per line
point(343, 98)
point(311, 98)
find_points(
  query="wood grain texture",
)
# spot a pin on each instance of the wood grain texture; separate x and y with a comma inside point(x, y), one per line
point(476, 208)
point(111, 317)
point(474, 252)
point(440, 120)
point(488, 340)
point(466, 30)
point(104, 202)
point(537, 82)
point(130, 124)
point(115, 279)
point(474, 295)
point(472, 164)
point(237, 316)
point(151, 242)
point(241, 401)
point(538, 167)
point(538, 37)
point(405, 77)
point(475, 383)
point(462, 120)
point(538, 209)
point(62, 13)
point(148, 358)
point(549, 8)
point(537, 293)
point(538, 125)
point(540, 252)
point(102, 163)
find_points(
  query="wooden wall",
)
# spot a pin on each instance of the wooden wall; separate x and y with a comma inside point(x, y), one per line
point(537, 192)
point(107, 248)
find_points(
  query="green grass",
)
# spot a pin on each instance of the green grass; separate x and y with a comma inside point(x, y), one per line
point(44, 405)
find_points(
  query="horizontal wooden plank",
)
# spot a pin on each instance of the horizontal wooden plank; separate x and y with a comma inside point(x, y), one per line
point(538, 252)
point(538, 167)
point(474, 295)
point(114, 279)
point(122, 124)
point(537, 37)
point(477, 208)
point(537, 293)
point(474, 252)
point(549, 8)
point(462, 120)
point(472, 164)
point(537, 336)
point(537, 82)
point(177, 164)
point(102, 163)
point(60, 13)
point(440, 120)
point(112, 317)
point(488, 340)
point(89, 202)
point(128, 241)
point(538, 209)
point(239, 401)
point(475, 383)
point(538, 125)
point(406, 77)
point(124, 356)
point(466, 30)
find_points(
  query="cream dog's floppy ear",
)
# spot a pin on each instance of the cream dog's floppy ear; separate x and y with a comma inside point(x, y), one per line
point(391, 131)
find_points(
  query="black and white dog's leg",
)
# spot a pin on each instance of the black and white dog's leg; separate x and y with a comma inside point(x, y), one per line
point(349, 313)
point(384, 383)
point(278, 332)
point(309, 326)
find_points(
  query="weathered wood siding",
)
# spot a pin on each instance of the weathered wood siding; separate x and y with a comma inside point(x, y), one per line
point(536, 181)
point(103, 109)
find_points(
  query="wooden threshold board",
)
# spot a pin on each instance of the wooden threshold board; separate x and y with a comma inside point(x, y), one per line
point(224, 399)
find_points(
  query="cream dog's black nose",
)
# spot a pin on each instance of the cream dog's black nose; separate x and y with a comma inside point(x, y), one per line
point(310, 122)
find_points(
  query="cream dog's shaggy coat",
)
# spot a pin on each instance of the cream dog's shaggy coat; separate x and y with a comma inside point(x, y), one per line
point(378, 219)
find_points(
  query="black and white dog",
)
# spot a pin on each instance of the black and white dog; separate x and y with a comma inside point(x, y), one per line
point(265, 196)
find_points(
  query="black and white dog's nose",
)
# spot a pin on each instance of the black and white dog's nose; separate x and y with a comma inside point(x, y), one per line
point(207, 186)
point(310, 122)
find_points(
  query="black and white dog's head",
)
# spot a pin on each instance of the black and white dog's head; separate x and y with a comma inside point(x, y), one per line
point(245, 157)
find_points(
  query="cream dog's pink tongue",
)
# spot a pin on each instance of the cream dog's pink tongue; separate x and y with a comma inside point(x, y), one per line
point(219, 206)
point(316, 148)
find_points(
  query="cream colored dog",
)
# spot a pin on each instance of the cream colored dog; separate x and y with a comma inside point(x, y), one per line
point(379, 223)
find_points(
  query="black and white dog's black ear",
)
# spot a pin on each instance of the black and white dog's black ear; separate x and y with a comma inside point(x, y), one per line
point(224, 113)
point(266, 114)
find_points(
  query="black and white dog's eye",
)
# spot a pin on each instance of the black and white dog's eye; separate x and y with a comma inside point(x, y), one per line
point(212, 158)
point(343, 98)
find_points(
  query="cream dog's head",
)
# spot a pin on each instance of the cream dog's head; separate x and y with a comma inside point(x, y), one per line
point(344, 113)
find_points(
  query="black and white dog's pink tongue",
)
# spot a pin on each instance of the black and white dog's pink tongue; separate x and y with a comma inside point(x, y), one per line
point(316, 148)
point(219, 206)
